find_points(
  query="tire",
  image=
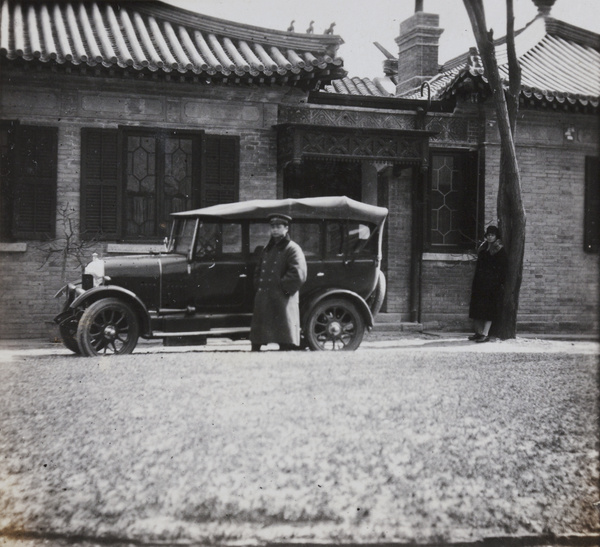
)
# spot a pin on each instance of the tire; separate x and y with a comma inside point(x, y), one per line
point(334, 324)
point(108, 327)
point(375, 301)
point(68, 333)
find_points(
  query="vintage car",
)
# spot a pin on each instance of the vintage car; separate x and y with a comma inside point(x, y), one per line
point(202, 285)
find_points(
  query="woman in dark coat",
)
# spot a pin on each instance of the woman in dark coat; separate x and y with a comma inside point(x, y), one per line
point(488, 284)
point(279, 275)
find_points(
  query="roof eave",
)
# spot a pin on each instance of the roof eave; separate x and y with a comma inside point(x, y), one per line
point(527, 94)
point(382, 103)
point(241, 31)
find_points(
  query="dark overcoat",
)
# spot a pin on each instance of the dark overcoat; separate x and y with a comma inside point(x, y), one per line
point(280, 273)
point(487, 291)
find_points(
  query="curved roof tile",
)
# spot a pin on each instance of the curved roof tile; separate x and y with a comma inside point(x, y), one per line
point(150, 35)
point(560, 65)
point(359, 86)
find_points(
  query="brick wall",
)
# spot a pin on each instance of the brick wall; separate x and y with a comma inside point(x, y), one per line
point(397, 247)
point(560, 281)
point(258, 165)
point(30, 273)
point(446, 288)
point(559, 291)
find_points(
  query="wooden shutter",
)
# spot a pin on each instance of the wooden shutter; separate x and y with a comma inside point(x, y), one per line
point(221, 170)
point(7, 161)
point(100, 199)
point(34, 184)
point(591, 234)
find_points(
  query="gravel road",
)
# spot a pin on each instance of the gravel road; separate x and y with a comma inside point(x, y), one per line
point(407, 444)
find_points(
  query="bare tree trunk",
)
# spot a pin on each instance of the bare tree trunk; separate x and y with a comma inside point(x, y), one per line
point(514, 68)
point(511, 212)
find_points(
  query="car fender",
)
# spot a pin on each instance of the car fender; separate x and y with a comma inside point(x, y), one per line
point(92, 295)
point(310, 301)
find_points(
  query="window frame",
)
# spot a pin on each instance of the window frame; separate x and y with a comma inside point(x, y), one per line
point(473, 160)
point(203, 168)
point(160, 134)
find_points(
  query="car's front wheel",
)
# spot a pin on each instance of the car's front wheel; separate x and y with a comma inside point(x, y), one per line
point(334, 324)
point(68, 332)
point(108, 326)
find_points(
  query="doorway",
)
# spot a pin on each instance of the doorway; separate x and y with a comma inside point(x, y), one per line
point(315, 178)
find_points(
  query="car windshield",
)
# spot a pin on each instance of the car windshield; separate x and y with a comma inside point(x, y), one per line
point(182, 236)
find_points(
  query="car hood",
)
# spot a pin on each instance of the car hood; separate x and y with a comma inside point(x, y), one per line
point(139, 265)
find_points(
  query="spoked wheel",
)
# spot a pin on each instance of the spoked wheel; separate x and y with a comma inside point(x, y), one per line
point(335, 324)
point(109, 326)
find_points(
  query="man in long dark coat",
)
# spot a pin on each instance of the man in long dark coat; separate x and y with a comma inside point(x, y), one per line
point(280, 273)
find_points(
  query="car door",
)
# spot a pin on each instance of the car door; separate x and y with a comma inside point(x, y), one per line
point(307, 234)
point(218, 270)
point(350, 257)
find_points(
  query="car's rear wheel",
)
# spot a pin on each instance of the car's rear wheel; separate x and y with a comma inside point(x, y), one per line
point(108, 326)
point(334, 324)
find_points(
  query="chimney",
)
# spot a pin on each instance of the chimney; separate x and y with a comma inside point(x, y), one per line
point(417, 49)
point(544, 7)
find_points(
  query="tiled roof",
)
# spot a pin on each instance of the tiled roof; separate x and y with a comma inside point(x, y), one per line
point(378, 87)
point(152, 36)
point(560, 67)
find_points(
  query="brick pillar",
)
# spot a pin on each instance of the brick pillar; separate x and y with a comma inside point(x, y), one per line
point(417, 50)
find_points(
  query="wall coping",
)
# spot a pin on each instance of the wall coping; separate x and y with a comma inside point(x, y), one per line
point(13, 247)
point(450, 257)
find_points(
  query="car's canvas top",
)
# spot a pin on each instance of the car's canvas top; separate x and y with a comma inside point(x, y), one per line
point(333, 207)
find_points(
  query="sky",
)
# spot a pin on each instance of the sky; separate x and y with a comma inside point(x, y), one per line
point(362, 22)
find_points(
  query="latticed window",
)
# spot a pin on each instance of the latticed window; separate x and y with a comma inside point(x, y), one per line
point(133, 179)
point(453, 201)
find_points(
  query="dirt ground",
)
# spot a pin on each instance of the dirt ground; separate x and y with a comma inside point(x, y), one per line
point(417, 440)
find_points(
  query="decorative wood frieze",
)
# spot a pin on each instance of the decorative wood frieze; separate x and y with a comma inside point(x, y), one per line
point(450, 129)
point(299, 141)
point(346, 118)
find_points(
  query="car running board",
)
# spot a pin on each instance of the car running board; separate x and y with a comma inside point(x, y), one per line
point(211, 332)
